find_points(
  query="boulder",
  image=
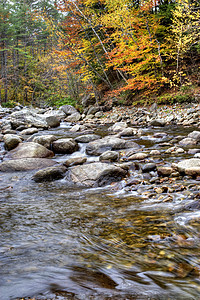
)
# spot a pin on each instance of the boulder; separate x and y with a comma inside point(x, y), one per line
point(74, 161)
point(109, 156)
point(52, 121)
point(138, 156)
point(158, 122)
point(68, 109)
point(27, 117)
point(66, 145)
point(44, 140)
point(188, 166)
point(50, 174)
point(25, 164)
point(187, 142)
point(194, 135)
point(164, 171)
point(95, 174)
point(29, 131)
point(108, 143)
point(86, 138)
point(148, 167)
point(30, 149)
point(11, 141)
point(117, 127)
point(75, 117)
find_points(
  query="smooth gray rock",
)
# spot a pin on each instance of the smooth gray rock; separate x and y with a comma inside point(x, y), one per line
point(25, 164)
point(30, 149)
point(95, 174)
point(108, 143)
point(52, 121)
point(29, 131)
point(50, 174)
point(187, 165)
point(67, 145)
point(86, 138)
point(195, 135)
point(68, 109)
point(188, 142)
point(75, 117)
point(44, 140)
point(109, 156)
point(148, 167)
point(27, 117)
point(117, 127)
point(11, 141)
point(158, 122)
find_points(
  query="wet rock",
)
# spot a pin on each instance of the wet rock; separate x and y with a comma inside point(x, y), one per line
point(194, 135)
point(138, 156)
point(148, 167)
point(187, 142)
point(25, 164)
point(117, 127)
point(109, 156)
point(95, 174)
point(193, 151)
point(68, 109)
point(75, 161)
point(108, 143)
point(128, 132)
point(158, 122)
point(164, 171)
point(155, 152)
point(75, 117)
point(189, 166)
point(67, 145)
point(11, 141)
point(50, 174)
point(44, 140)
point(30, 149)
point(52, 121)
point(86, 138)
point(29, 131)
point(26, 117)
point(175, 149)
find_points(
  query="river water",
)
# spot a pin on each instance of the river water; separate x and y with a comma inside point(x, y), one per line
point(58, 242)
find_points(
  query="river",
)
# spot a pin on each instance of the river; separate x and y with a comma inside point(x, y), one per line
point(59, 242)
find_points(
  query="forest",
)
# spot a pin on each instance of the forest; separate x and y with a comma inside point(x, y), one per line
point(122, 52)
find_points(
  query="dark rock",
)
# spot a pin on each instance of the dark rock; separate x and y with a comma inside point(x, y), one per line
point(25, 164)
point(74, 161)
point(11, 141)
point(50, 174)
point(148, 167)
point(109, 156)
point(67, 145)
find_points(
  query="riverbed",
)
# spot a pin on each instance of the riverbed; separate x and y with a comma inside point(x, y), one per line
point(121, 241)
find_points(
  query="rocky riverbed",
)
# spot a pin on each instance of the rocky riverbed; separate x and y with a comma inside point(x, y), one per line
point(134, 173)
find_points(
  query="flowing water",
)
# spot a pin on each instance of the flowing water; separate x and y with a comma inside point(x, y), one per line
point(58, 242)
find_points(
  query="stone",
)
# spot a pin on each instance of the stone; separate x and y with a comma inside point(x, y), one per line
point(11, 141)
point(29, 131)
point(158, 122)
point(108, 143)
point(117, 127)
point(95, 174)
point(52, 121)
point(138, 156)
point(68, 109)
point(155, 152)
point(50, 174)
point(74, 161)
point(44, 140)
point(164, 171)
point(26, 117)
point(30, 149)
point(86, 138)
point(75, 117)
point(64, 146)
point(186, 165)
point(109, 156)
point(195, 135)
point(92, 110)
point(128, 132)
point(187, 142)
point(148, 167)
point(25, 164)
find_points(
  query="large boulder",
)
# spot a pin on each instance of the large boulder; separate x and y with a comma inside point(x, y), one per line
point(44, 140)
point(118, 126)
point(109, 143)
point(188, 142)
point(194, 135)
point(68, 109)
point(11, 141)
point(49, 174)
point(30, 149)
point(25, 164)
point(75, 117)
point(27, 117)
point(66, 145)
point(52, 121)
point(95, 174)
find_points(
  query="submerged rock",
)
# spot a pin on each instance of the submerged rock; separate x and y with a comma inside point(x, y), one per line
point(95, 174)
point(25, 164)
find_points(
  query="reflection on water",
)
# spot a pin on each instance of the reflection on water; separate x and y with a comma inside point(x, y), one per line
point(63, 243)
